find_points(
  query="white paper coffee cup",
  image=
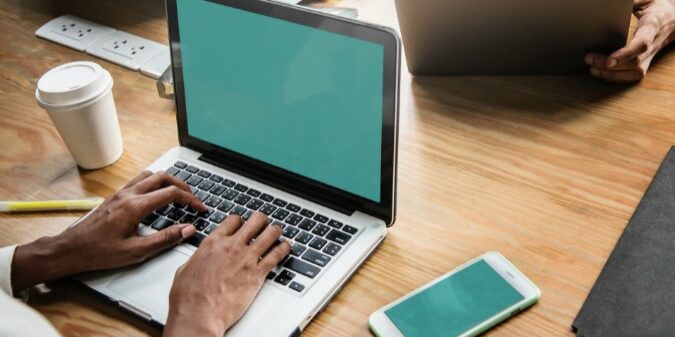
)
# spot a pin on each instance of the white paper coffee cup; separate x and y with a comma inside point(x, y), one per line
point(78, 98)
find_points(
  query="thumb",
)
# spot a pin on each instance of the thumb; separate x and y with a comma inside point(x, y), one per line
point(166, 238)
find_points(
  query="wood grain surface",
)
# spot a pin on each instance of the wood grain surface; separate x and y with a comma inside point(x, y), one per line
point(545, 170)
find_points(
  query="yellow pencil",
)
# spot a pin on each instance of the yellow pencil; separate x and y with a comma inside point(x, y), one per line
point(50, 205)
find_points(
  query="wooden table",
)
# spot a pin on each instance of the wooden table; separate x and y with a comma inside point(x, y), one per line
point(546, 170)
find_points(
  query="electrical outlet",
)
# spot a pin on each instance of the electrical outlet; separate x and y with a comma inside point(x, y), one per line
point(125, 49)
point(73, 32)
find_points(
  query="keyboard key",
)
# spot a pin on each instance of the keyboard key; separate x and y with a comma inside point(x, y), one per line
point(268, 209)
point(321, 230)
point(338, 236)
point(266, 197)
point(194, 180)
point(316, 258)
point(201, 224)
point(242, 199)
point(202, 195)
point(204, 174)
point(271, 275)
point(230, 194)
point(296, 286)
point(279, 224)
point(239, 210)
point(217, 217)
point(206, 185)
point(229, 183)
point(176, 214)
point(162, 223)
point(293, 208)
point(210, 229)
point(321, 218)
point(332, 249)
point(196, 239)
point(188, 218)
point(280, 214)
point(334, 223)
point(253, 193)
point(255, 204)
point(192, 169)
point(184, 176)
point(218, 190)
point(206, 214)
point(284, 277)
point(349, 229)
point(172, 171)
point(225, 206)
point(318, 243)
point(213, 201)
point(302, 267)
point(216, 178)
point(290, 232)
point(293, 219)
point(149, 219)
point(297, 249)
point(304, 237)
point(180, 164)
point(164, 210)
point(194, 190)
point(307, 213)
point(241, 188)
point(307, 224)
point(280, 203)
point(247, 215)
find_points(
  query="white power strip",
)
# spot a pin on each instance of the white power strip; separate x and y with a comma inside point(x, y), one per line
point(127, 50)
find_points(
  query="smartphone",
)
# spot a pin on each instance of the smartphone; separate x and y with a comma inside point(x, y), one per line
point(462, 303)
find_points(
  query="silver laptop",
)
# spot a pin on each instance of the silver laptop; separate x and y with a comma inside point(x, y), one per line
point(289, 112)
point(516, 37)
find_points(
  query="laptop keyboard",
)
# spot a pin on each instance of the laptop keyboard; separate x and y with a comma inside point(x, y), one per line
point(315, 239)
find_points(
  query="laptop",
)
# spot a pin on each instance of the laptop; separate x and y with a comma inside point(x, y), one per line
point(289, 112)
point(517, 37)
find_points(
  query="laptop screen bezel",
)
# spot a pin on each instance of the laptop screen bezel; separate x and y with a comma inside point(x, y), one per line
point(283, 179)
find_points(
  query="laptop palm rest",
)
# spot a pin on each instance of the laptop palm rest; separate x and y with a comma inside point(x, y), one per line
point(146, 287)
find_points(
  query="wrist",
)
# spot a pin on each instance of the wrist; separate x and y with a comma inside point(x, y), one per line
point(179, 324)
point(45, 259)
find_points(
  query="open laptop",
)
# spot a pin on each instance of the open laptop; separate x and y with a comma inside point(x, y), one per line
point(516, 37)
point(289, 112)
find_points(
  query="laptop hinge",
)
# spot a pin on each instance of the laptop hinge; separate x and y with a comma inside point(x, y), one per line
point(279, 184)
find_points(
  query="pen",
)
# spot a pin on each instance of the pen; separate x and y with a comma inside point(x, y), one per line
point(50, 205)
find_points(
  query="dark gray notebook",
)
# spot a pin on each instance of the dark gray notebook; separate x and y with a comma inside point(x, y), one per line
point(635, 293)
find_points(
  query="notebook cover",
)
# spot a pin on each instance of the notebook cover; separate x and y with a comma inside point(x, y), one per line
point(635, 293)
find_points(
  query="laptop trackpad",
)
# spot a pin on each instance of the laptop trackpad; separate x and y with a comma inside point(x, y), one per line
point(147, 286)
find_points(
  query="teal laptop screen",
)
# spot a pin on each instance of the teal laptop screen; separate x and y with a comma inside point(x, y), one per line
point(295, 97)
point(455, 304)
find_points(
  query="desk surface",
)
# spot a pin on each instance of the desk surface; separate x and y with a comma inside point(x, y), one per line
point(546, 170)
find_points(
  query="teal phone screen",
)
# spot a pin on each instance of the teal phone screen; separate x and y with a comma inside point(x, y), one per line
point(455, 304)
point(295, 97)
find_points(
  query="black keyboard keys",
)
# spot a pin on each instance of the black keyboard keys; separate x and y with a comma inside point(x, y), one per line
point(307, 224)
point(349, 229)
point(268, 209)
point(188, 218)
point(172, 171)
point(304, 237)
point(296, 286)
point(242, 199)
point(217, 217)
point(180, 164)
point(241, 188)
point(194, 180)
point(284, 277)
point(297, 249)
point(204, 174)
point(230, 194)
point(164, 210)
point(293, 219)
point(218, 190)
point(255, 204)
point(293, 208)
point(271, 275)
point(307, 213)
point(318, 243)
point(175, 214)
point(206, 185)
point(192, 169)
point(266, 197)
point(280, 214)
point(290, 232)
point(229, 183)
point(196, 239)
point(184, 176)
point(321, 230)
point(149, 219)
point(253, 193)
point(201, 224)
point(321, 218)
point(302, 267)
point(239, 210)
point(280, 203)
point(316, 258)
point(225, 206)
point(213, 201)
point(332, 249)
point(216, 178)
point(338, 236)
point(334, 223)
point(202, 195)
point(162, 223)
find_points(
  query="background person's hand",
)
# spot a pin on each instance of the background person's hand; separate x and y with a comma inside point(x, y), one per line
point(233, 270)
point(655, 30)
point(108, 237)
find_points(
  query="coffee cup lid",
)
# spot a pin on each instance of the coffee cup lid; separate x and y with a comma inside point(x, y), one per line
point(72, 83)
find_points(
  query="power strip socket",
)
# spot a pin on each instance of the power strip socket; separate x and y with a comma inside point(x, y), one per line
point(73, 32)
point(126, 50)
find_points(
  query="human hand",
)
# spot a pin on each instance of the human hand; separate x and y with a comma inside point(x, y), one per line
point(655, 30)
point(233, 270)
point(108, 237)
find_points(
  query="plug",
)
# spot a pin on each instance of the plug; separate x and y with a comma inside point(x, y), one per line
point(73, 32)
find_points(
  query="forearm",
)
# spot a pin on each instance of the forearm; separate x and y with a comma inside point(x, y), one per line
point(196, 325)
point(42, 260)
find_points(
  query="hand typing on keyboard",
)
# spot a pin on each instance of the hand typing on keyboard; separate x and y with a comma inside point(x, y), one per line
point(232, 267)
point(108, 237)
